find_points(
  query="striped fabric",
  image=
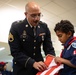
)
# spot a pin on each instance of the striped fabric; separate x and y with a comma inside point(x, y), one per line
point(53, 68)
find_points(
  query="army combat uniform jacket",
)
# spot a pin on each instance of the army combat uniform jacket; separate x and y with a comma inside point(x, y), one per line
point(26, 48)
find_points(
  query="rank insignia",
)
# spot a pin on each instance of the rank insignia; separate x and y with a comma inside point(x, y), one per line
point(11, 38)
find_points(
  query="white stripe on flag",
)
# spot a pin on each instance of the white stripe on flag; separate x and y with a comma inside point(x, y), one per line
point(56, 69)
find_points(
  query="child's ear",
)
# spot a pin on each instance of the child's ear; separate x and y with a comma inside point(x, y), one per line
point(69, 33)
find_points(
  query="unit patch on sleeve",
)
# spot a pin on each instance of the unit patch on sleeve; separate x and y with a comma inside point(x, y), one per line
point(11, 38)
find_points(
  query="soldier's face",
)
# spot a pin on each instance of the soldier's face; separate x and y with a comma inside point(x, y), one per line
point(33, 16)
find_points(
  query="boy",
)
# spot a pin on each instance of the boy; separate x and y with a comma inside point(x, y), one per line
point(65, 31)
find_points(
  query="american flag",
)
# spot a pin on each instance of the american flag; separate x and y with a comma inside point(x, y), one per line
point(53, 68)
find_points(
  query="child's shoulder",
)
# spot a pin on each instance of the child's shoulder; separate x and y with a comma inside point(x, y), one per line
point(74, 44)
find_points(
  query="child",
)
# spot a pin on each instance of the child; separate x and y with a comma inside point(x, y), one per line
point(65, 31)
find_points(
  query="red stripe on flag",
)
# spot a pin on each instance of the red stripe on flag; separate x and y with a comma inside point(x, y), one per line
point(52, 68)
point(47, 62)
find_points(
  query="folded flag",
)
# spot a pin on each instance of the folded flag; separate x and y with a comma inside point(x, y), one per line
point(52, 67)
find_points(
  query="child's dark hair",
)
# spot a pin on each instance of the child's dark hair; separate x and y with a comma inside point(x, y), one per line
point(64, 26)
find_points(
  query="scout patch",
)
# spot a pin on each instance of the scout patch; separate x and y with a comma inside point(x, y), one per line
point(11, 38)
point(74, 52)
point(74, 45)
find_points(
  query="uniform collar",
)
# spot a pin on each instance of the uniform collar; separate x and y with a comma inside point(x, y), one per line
point(30, 24)
point(67, 42)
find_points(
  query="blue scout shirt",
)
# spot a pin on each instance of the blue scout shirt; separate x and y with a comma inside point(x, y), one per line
point(0, 73)
point(69, 53)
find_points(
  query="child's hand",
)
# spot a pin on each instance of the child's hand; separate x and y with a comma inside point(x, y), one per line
point(58, 60)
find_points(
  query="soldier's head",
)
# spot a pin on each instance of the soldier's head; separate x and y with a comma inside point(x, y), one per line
point(64, 29)
point(32, 13)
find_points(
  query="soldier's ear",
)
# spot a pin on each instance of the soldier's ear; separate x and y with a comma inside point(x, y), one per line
point(25, 13)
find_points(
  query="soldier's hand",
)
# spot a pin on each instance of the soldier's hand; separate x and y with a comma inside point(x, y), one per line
point(40, 66)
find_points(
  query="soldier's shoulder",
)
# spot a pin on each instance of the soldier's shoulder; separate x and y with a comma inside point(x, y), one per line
point(17, 22)
point(43, 24)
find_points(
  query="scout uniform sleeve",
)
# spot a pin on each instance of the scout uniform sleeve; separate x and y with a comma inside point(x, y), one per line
point(73, 60)
point(16, 48)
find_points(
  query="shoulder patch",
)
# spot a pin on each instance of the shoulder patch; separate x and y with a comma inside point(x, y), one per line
point(74, 44)
point(16, 22)
point(10, 38)
point(42, 22)
point(19, 21)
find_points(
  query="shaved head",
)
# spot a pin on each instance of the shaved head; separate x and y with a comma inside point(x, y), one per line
point(32, 13)
point(31, 6)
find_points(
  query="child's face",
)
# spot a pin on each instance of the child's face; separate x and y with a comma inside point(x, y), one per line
point(63, 37)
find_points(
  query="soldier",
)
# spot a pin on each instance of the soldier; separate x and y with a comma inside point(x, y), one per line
point(25, 40)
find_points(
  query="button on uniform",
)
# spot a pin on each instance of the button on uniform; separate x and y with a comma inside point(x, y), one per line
point(34, 47)
point(34, 40)
point(33, 53)
point(15, 62)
